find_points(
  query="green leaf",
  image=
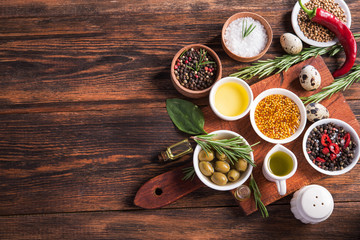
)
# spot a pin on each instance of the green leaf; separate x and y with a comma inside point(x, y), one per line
point(186, 116)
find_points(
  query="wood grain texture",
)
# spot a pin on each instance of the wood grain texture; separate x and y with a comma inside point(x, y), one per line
point(82, 119)
point(195, 223)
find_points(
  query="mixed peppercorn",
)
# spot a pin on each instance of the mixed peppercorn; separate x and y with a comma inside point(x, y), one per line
point(195, 69)
point(330, 147)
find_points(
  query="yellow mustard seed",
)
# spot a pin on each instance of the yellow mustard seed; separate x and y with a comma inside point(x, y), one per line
point(277, 116)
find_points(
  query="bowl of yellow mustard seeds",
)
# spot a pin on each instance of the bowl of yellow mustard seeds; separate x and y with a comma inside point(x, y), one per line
point(278, 116)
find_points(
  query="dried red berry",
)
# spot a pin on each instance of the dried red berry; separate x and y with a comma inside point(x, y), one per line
point(332, 156)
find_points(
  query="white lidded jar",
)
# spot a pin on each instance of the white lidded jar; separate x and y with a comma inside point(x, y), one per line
point(312, 204)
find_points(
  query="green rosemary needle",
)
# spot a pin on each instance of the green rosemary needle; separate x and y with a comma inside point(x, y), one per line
point(339, 84)
point(247, 30)
point(189, 173)
point(234, 148)
point(257, 196)
point(264, 68)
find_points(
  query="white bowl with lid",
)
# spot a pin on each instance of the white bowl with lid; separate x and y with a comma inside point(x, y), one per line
point(312, 204)
point(300, 34)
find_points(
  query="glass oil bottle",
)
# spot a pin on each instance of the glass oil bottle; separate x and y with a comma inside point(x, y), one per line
point(175, 151)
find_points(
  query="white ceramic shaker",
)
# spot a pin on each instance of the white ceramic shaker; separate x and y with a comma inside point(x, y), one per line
point(312, 204)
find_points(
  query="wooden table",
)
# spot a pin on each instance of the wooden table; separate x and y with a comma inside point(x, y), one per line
point(82, 119)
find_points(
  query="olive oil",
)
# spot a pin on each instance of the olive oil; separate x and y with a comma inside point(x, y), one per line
point(231, 99)
point(175, 151)
point(280, 163)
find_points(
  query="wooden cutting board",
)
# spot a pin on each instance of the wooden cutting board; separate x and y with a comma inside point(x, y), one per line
point(147, 197)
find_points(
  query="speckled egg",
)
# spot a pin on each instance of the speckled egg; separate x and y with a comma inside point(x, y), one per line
point(310, 78)
point(316, 112)
point(291, 43)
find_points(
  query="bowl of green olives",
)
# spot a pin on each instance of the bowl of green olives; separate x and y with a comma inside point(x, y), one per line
point(216, 170)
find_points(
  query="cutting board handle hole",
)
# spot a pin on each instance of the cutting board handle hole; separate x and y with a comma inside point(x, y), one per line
point(158, 191)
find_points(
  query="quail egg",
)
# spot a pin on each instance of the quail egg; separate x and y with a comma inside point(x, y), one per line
point(291, 43)
point(310, 78)
point(316, 112)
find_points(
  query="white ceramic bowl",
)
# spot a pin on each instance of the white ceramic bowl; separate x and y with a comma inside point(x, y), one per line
point(347, 128)
point(288, 94)
point(216, 87)
point(301, 35)
point(230, 185)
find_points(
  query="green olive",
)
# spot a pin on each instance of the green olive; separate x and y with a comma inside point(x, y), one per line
point(233, 175)
point(206, 168)
point(206, 156)
point(222, 166)
point(221, 157)
point(241, 165)
point(219, 178)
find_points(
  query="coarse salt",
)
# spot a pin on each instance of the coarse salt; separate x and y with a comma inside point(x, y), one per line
point(249, 46)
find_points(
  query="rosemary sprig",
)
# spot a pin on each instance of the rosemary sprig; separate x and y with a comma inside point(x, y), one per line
point(234, 148)
point(182, 54)
point(189, 173)
point(263, 68)
point(257, 196)
point(201, 61)
point(247, 30)
point(339, 84)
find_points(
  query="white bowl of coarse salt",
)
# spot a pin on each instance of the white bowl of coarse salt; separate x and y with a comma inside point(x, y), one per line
point(246, 36)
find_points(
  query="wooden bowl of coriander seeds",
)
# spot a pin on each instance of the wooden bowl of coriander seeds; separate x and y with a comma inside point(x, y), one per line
point(194, 70)
point(246, 36)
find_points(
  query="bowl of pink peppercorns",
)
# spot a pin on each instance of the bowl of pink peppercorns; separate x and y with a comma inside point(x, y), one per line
point(194, 70)
point(331, 146)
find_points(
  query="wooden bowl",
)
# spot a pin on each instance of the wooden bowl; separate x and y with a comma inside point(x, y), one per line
point(195, 93)
point(255, 17)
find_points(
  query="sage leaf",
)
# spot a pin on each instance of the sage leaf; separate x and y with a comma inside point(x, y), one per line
point(186, 116)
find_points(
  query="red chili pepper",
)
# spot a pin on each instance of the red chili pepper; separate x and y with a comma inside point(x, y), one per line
point(347, 139)
point(325, 151)
point(325, 140)
point(341, 31)
point(332, 156)
point(319, 159)
point(334, 148)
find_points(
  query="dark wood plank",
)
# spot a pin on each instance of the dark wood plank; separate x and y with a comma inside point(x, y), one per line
point(78, 60)
point(65, 162)
point(199, 223)
point(82, 120)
